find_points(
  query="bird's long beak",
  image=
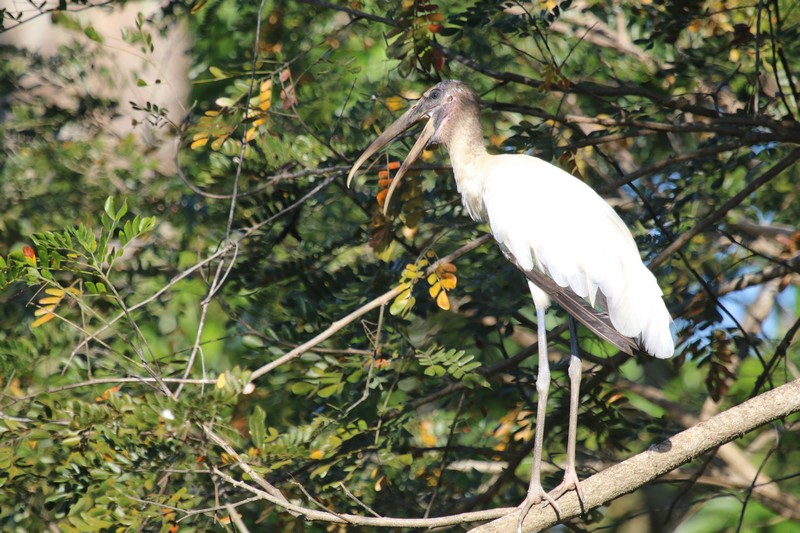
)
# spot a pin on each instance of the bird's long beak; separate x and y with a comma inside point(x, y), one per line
point(408, 119)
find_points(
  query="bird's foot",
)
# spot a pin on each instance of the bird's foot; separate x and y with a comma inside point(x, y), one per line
point(536, 495)
point(570, 482)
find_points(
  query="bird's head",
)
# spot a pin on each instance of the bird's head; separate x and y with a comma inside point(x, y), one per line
point(439, 104)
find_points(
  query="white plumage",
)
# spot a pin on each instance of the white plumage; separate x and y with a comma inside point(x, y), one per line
point(550, 220)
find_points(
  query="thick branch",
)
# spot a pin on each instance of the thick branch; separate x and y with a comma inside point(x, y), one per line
point(641, 469)
point(740, 472)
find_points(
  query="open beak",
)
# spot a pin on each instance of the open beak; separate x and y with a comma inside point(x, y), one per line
point(408, 119)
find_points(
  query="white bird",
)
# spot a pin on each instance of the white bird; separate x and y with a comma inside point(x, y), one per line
point(548, 223)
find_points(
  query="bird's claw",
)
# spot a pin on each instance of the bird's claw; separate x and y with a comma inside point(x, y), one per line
point(536, 495)
point(570, 482)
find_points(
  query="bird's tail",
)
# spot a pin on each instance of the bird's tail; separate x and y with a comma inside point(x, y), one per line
point(639, 312)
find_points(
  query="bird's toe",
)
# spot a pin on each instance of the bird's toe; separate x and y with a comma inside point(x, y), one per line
point(570, 482)
point(536, 495)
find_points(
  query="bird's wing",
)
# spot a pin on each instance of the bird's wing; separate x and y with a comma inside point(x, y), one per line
point(549, 220)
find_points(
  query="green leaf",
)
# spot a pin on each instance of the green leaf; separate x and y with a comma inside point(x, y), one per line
point(92, 34)
point(330, 390)
point(302, 388)
point(435, 370)
point(400, 303)
point(256, 424)
point(108, 207)
point(147, 224)
point(217, 73)
point(122, 210)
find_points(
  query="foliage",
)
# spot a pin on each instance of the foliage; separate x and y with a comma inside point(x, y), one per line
point(152, 310)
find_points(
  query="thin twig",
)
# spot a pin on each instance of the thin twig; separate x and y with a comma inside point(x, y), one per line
point(323, 516)
point(444, 455)
point(216, 283)
point(255, 476)
point(359, 502)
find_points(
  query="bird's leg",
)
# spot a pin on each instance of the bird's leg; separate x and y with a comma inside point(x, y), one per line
point(536, 493)
point(571, 480)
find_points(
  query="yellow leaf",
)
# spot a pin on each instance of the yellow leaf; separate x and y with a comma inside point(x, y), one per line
point(435, 289)
point(54, 292)
point(49, 300)
point(317, 455)
point(379, 484)
point(198, 143)
point(395, 103)
point(44, 310)
point(447, 267)
point(42, 320)
point(433, 278)
point(265, 96)
point(449, 282)
point(222, 381)
point(443, 301)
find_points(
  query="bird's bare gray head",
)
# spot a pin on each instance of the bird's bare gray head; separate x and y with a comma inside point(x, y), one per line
point(440, 104)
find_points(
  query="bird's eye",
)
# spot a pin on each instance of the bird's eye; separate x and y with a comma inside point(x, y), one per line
point(434, 95)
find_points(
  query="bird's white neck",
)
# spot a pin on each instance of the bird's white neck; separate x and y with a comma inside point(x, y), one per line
point(469, 159)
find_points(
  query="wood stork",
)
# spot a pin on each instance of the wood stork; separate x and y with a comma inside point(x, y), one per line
point(547, 222)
